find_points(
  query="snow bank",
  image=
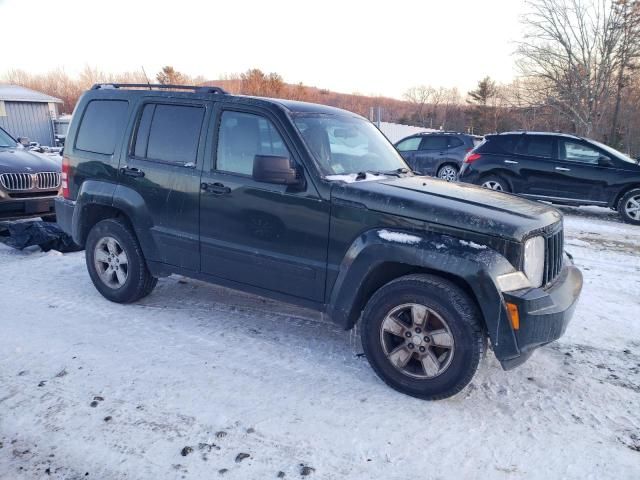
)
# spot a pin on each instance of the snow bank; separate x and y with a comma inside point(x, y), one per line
point(120, 391)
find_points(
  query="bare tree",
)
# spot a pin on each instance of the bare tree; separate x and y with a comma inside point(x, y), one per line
point(570, 47)
point(628, 53)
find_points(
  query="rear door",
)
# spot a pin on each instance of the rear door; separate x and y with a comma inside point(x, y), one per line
point(534, 162)
point(432, 149)
point(163, 166)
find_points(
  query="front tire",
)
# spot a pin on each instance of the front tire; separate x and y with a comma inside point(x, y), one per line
point(116, 264)
point(422, 335)
point(629, 207)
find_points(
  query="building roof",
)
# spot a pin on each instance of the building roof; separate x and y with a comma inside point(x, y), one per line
point(16, 93)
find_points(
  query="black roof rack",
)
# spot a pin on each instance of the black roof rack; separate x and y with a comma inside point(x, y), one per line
point(151, 86)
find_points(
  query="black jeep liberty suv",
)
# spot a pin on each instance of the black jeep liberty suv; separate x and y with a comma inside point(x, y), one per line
point(312, 205)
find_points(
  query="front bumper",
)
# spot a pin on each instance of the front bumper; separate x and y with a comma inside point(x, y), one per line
point(12, 209)
point(544, 314)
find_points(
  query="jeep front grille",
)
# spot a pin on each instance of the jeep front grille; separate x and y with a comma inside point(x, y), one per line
point(554, 253)
point(20, 182)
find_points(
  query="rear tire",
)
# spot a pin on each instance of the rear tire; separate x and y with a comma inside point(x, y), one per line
point(422, 335)
point(496, 183)
point(448, 172)
point(629, 207)
point(116, 263)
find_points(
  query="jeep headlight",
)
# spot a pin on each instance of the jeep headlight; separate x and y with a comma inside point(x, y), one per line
point(534, 260)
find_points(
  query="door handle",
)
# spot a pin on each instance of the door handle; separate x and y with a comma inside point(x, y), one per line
point(215, 188)
point(132, 172)
point(512, 162)
point(562, 169)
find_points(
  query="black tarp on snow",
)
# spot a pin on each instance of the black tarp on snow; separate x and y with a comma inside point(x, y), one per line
point(47, 235)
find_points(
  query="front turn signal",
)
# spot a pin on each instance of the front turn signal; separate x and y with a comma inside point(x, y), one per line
point(514, 315)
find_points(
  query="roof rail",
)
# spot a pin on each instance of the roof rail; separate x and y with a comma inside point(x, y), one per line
point(151, 86)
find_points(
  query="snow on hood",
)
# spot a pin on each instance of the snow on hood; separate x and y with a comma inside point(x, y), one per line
point(353, 177)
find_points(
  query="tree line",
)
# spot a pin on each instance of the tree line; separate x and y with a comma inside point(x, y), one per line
point(579, 72)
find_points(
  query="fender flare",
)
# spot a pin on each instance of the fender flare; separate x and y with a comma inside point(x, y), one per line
point(118, 197)
point(474, 264)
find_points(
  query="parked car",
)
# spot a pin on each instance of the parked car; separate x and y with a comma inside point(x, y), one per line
point(557, 168)
point(437, 154)
point(28, 182)
point(312, 205)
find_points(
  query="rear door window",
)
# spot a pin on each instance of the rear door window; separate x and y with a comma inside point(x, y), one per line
point(102, 126)
point(409, 145)
point(434, 142)
point(169, 133)
point(536, 146)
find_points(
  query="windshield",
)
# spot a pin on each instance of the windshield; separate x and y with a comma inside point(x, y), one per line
point(348, 145)
point(614, 152)
point(6, 140)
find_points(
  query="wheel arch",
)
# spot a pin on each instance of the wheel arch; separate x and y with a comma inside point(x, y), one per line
point(98, 201)
point(450, 162)
point(372, 262)
point(623, 191)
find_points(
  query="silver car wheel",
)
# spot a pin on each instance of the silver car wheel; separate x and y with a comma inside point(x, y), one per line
point(632, 207)
point(417, 341)
point(448, 173)
point(111, 262)
point(493, 185)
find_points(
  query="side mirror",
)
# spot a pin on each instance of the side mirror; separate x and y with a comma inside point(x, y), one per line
point(274, 169)
point(605, 161)
point(24, 141)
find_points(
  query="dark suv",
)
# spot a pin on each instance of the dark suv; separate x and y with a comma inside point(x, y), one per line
point(28, 182)
point(438, 154)
point(312, 205)
point(557, 168)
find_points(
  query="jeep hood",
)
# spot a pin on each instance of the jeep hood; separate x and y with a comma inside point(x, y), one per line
point(457, 205)
point(14, 160)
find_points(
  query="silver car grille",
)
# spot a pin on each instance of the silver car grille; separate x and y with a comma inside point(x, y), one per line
point(48, 180)
point(20, 182)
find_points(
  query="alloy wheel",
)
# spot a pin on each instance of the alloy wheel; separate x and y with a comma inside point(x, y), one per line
point(632, 207)
point(448, 173)
point(417, 341)
point(111, 262)
point(493, 185)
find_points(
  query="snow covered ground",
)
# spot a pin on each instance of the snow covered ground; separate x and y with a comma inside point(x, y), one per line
point(91, 389)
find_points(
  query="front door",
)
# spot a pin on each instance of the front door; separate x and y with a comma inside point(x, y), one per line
point(581, 174)
point(269, 236)
point(163, 166)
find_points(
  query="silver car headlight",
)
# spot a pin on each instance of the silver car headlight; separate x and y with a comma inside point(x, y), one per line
point(534, 260)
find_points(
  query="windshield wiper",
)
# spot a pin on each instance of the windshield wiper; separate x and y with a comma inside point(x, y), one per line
point(398, 172)
point(393, 173)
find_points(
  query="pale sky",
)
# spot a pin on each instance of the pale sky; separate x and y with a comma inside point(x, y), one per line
point(369, 47)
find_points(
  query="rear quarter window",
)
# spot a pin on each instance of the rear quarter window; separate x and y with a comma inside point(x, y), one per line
point(102, 126)
point(455, 142)
point(500, 144)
